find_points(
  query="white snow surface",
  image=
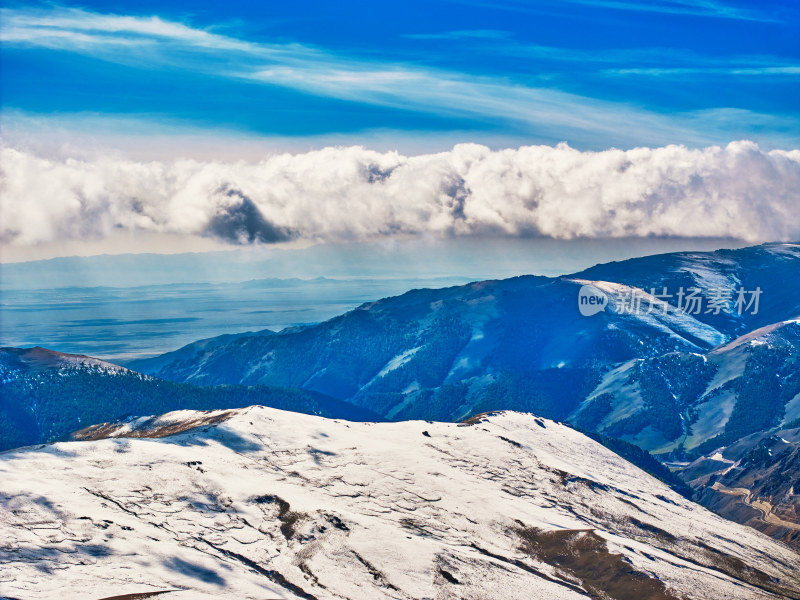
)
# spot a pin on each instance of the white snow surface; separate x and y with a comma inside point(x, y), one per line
point(395, 363)
point(368, 510)
point(709, 273)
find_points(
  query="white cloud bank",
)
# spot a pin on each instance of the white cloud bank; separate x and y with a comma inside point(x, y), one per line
point(344, 194)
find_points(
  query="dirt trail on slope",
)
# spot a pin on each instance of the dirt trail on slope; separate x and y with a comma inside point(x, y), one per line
point(765, 508)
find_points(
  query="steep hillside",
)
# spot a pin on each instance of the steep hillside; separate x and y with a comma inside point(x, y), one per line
point(688, 404)
point(445, 354)
point(523, 344)
point(755, 480)
point(258, 503)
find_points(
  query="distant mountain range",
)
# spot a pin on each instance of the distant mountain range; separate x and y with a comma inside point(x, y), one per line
point(669, 381)
point(258, 503)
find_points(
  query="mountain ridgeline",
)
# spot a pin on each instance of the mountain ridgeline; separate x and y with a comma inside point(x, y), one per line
point(673, 382)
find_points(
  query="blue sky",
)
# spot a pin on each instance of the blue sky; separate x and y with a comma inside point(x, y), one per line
point(593, 73)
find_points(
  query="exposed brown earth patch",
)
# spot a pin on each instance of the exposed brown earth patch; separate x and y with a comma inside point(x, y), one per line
point(582, 555)
point(153, 428)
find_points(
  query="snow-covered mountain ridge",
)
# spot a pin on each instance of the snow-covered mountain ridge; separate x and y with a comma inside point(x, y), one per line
point(261, 503)
point(17, 362)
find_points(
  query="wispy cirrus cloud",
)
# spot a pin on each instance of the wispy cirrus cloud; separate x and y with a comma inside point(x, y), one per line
point(698, 8)
point(651, 61)
point(463, 34)
point(546, 113)
point(691, 8)
point(65, 27)
point(790, 70)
